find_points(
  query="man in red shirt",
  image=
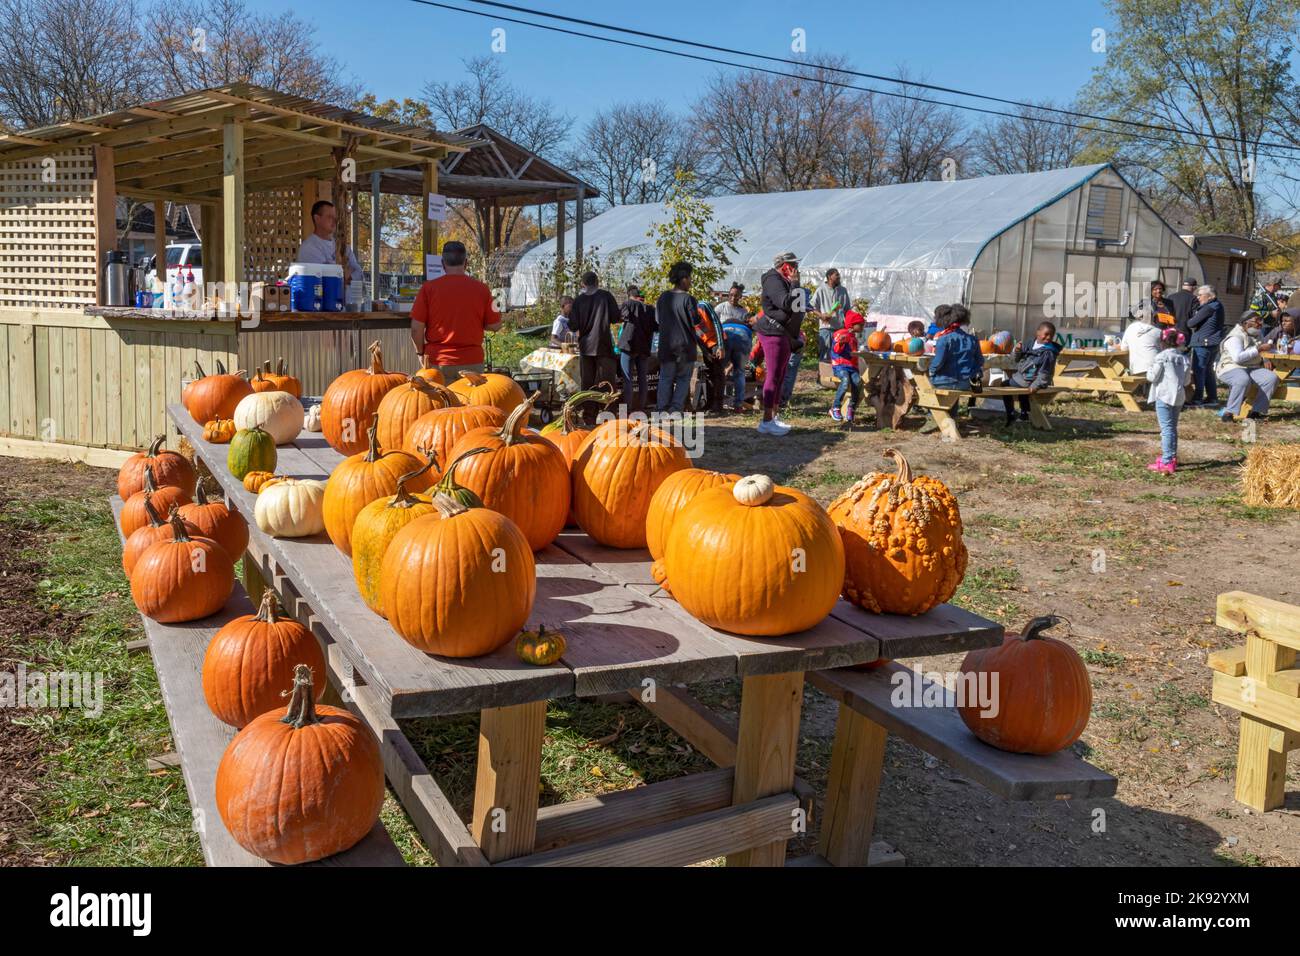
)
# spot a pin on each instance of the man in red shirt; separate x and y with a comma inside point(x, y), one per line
point(450, 315)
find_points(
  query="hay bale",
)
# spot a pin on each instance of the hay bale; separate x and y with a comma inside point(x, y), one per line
point(1271, 476)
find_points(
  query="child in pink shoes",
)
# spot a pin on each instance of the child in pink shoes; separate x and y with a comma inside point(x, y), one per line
point(1168, 377)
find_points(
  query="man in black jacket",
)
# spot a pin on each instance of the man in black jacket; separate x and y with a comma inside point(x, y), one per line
point(1206, 324)
point(1183, 302)
point(634, 341)
point(778, 328)
point(675, 313)
point(594, 310)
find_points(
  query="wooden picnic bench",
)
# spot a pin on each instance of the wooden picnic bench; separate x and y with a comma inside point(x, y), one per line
point(1103, 370)
point(1260, 679)
point(625, 636)
point(1288, 389)
point(201, 739)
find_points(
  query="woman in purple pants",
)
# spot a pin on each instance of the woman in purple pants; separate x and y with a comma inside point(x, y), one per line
point(778, 330)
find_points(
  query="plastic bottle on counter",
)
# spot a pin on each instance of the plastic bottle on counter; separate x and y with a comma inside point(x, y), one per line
point(190, 291)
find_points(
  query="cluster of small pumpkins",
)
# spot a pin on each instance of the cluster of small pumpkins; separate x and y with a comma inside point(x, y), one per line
point(999, 343)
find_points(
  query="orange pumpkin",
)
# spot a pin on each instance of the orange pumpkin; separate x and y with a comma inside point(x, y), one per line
point(183, 578)
point(284, 382)
point(987, 347)
point(216, 521)
point(523, 476)
point(214, 396)
point(168, 468)
point(141, 539)
point(436, 431)
point(615, 473)
point(429, 373)
point(402, 406)
point(219, 431)
point(255, 481)
point(902, 541)
point(565, 432)
point(751, 557)
point(1041, 689)
point(879, 341)
point(490, 388)
point(252, 659)
point(360, 479)
point(675, 493)
point(262, 382)
point(302, 782)
point(352, 400)
point(134, 516)
point(460, 583)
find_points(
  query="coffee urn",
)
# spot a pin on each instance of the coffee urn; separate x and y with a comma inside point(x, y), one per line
point(116, 290)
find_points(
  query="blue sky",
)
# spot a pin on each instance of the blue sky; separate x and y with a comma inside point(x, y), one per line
point(1021, 50)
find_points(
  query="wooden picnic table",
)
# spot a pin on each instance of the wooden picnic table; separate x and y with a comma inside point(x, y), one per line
point(1288, 389)
point(625, 635)
point(1104, 370)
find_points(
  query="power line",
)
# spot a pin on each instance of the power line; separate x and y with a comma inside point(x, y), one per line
point(823, 81)
point(1236, 140)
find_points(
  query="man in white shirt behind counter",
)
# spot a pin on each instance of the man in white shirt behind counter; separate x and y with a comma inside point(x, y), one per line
point(318, 248)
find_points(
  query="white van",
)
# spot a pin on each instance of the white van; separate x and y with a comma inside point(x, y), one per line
point(183, 256)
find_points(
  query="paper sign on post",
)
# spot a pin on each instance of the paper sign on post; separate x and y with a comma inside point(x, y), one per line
point(437, 207)
point(432, 266)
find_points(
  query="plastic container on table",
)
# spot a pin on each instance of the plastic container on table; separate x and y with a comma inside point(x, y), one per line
point(304, 286)
point(331, 288)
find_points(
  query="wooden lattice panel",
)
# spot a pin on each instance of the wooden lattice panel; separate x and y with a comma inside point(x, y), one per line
point(272, 233)
point(47, 231)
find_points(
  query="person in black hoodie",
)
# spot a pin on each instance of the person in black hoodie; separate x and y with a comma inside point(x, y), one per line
point(634, 340)
point(778, 329)
point(594, 310)
point(675, 313)
point(1184, 304)
point(1035, 367)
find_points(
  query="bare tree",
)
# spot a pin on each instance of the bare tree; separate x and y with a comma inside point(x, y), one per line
point(920, 135)
point(631, 151)
point(215, 42)
point(486, 96)
point(63, 59)
point(1029, 142)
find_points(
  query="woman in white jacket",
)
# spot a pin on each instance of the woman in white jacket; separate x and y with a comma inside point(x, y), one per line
point(1240, 364)
point(1141, 340)
point(1168, 376)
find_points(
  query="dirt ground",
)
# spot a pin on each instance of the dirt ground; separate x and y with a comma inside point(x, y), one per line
point(1069, 522)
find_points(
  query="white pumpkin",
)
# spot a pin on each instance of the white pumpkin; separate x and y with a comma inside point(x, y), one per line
point(312, 421)
point(276, 412)
point(291, 508)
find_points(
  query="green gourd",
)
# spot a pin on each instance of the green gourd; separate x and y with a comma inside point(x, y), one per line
point(252, 449)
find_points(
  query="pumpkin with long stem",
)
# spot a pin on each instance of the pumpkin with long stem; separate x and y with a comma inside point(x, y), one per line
point(437, 431)
point(351, 401)
point(302, 782)
point(755, 558)
point(488, 388)
point(523, 476)
point(134, 516)
point(460, 583)
point(903, 545)
point(1036, 690)
point(141, 539)
point(252, 659)
point(261, 380)
point(376, 525)
point(403, 406)
point(360, 479)
point(284, 382)
point(168, 467)
point(567, 434)
point(183, 578)
point(675, 493)
point(615, 473)
point(214, 396)
point(453, 489)
point(216, 521)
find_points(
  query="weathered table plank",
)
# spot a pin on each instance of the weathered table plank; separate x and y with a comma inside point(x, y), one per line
point(945, 629)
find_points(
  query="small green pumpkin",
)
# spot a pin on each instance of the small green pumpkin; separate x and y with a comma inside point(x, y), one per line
point(252, 449)
point(540, 647)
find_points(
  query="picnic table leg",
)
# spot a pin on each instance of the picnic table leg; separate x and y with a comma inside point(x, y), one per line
point(1126, 398)
point(1037, 417)
point(1261, 765)
point(504, 823)
point(765, 751)
point(849, 817)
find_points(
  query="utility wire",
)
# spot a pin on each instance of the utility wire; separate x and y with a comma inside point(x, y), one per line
point(847, 86)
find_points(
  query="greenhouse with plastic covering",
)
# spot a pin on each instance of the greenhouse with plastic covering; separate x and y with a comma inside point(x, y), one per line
point(1076, 245)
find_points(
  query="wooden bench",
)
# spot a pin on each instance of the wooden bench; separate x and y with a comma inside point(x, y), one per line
point(1262, 682)
point(201, 739)
point(942, 404)
point(868, 715)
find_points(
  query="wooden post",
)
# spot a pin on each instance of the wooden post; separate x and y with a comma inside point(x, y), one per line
point(857, 761)
point(765, 751)
point(160, 242)
point(232, 205)
point(429, 235)
point(579, 216)
point(559, 234)
point(504, 822)
point(105, 214)
point(376, 221)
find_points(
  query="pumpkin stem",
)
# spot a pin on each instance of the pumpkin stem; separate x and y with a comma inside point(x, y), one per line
point(448, 485)
point(156, 445)
point(403, 498)
point(151, 512)
point(149, 484)
point(280, 367)
point(266, 611)
point(221, 366)
point(178, 525)
point(605, 394)
point(199, 368)
point(904, 469)
point(510, 432)
point(372, 433)
point(1034, 629)
point(434, 390)
point(302, 702)
point(448, 507)
point(475, 378)
point(376, 358)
